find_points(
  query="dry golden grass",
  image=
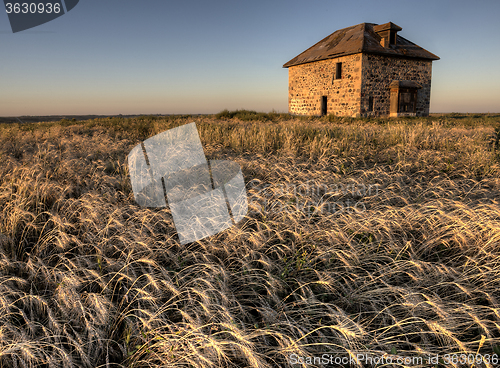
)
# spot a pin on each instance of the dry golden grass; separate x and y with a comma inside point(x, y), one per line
point(90, 279)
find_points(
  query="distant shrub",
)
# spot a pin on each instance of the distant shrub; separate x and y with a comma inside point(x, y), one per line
point(224, 114)
point(250, 115)
point(456, 115)
point(66, 122)
point(146, 118)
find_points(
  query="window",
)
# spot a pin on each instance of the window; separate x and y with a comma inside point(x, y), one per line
point(338, 71)
point(370, 104)
point(392, 38)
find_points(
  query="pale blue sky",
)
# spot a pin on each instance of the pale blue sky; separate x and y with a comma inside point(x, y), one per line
point(172, 57)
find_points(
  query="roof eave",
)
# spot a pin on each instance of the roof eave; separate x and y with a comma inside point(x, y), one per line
point(431, 57)
point(289, 64)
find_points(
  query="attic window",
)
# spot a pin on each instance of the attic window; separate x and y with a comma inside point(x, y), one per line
point(392, 38)
point(388, 33)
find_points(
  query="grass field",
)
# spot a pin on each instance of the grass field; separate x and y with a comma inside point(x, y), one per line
point(365, 236)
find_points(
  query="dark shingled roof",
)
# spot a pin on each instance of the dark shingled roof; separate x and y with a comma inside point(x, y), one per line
point(356, 39)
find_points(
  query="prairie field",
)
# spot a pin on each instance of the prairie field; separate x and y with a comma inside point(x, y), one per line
point(366, 239)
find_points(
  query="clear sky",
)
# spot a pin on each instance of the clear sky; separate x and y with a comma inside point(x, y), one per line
point(199, 56)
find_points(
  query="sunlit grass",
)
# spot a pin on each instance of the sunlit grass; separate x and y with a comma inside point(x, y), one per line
point(90, 279)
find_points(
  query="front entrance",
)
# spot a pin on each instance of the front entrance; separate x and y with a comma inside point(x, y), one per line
point(324, 108)
point(403, 98)
point(408, 100)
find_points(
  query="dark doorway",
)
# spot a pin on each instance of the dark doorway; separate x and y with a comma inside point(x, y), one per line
point(408, 100)
point(370, 104)
point(324, 107)
point(403, 98)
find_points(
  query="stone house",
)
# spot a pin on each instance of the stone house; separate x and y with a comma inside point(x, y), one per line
point(363, 70)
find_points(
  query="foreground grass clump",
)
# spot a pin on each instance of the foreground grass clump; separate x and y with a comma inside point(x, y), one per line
point(363, 236)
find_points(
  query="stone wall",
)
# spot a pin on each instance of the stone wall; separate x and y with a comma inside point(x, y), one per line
point(378, 72)
point(307, 83)
point(363, 76)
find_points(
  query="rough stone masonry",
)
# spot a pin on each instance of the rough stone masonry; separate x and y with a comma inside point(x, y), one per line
point(363, 70)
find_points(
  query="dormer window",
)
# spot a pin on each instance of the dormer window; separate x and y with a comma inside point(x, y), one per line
point(392, 37)
point(388, 34)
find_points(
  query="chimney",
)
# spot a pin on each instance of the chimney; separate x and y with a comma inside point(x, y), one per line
point(387, 33)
